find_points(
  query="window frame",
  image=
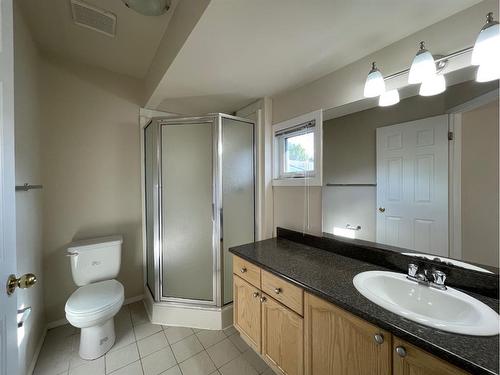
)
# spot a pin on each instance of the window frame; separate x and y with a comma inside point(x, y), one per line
point(310, 178)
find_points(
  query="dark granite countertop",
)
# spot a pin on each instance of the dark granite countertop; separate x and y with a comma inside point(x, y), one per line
point(329, 276)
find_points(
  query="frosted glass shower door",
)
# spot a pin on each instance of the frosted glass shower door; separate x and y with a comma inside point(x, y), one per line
point(187, 217)
point(238, 219)
point(151, 198)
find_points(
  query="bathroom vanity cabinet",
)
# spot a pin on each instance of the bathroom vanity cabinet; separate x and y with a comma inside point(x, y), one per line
point(296, 332)
point(269, 317)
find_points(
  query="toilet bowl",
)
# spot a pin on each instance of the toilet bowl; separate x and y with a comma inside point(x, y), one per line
point(92, 307)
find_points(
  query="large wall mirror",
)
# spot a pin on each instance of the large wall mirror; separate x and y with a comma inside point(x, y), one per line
point(421, 175)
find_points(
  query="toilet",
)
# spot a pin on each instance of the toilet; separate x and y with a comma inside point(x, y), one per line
point(94, 265)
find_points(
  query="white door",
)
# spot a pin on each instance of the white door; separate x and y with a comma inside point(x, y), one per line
point(8, 304)
point(412, 185)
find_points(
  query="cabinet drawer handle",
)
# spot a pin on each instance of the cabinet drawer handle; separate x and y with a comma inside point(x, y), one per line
point(277, 290)
point(263, 299)
point(255, 294)
point(401, 351)
point(379, 338)
point(243, 270)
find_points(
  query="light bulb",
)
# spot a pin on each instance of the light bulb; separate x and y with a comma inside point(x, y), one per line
point(433, 85)
point(487, 46)
point(375, 84)
point(488, 71)
point(388, 98)
point(422, 67)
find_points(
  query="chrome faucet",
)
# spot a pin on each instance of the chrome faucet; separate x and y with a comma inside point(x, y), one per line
point(436, 279)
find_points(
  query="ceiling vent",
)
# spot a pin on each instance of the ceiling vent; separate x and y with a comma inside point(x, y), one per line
point(93, 18)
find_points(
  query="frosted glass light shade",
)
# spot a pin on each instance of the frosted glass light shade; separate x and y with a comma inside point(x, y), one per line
point(422, 67)
point(375, 84)
point(487, 46)
point(488, 71)
point(388, 98)
point(148, 7)
point(433, 85)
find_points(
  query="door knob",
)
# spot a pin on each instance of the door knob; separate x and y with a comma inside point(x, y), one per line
point(381, 209)
point(25, 281)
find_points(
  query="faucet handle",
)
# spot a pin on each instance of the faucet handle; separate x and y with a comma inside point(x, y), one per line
point(439, 277)
point(412, 269)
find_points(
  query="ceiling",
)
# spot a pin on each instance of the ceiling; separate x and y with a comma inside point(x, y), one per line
point(241, 50)
point(130, 52)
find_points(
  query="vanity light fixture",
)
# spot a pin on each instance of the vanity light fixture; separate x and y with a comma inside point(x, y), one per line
point(427, 69)
point(389, 98)
point(487, 46)
point(375, 84)
point(422, 67)
point(433, 85)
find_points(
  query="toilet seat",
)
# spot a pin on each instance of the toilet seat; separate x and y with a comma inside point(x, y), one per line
point(94, 303)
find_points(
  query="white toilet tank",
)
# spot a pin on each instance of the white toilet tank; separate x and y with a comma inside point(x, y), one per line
point(95, 259)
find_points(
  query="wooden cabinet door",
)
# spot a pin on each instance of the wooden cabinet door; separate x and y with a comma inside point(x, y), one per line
point(282, 337)
point(246, 311)
point(416, 361)
point(339, 343)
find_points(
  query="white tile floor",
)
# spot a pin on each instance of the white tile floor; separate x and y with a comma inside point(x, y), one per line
point(142, 348)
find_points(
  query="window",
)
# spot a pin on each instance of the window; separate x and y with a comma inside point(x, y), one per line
point(297, 155)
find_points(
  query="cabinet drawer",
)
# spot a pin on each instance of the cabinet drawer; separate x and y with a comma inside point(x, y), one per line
point(247, 271)
point(283, 291)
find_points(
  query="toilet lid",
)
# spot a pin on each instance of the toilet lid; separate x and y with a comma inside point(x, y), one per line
point(95, 297)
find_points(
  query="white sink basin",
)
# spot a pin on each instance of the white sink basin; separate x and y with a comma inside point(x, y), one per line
point(448, 310)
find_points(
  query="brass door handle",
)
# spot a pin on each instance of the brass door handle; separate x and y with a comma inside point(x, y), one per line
point(381, 209)
point(25, 281)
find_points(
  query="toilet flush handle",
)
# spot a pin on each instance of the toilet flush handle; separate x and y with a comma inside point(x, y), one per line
point(71, 254)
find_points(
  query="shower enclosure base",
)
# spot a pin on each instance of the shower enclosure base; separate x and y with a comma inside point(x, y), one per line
point(185, 315)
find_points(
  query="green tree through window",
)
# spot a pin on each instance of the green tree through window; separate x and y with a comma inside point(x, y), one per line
point(297, 152)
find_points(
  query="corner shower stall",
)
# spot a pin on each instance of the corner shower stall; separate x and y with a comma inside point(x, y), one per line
point(199, 193)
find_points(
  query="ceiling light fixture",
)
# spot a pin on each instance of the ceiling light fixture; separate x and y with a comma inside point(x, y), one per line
point(389, 98)
point(375, 84)
point(422, 67)
point(148, 7)
point(433, 85)
point(487, 46)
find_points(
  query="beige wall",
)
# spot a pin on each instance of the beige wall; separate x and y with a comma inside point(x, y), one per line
point(346, 84)
point(186, 15)
point(480, 167)
point(297, 208)
point(91, 168)
point(28, 169)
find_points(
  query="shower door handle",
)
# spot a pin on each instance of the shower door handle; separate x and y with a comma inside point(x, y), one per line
point(221, 229)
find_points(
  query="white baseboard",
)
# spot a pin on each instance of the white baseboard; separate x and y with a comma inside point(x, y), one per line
point(130, 300)
point(31, 368)
point(57, 323)
point(64, 321)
